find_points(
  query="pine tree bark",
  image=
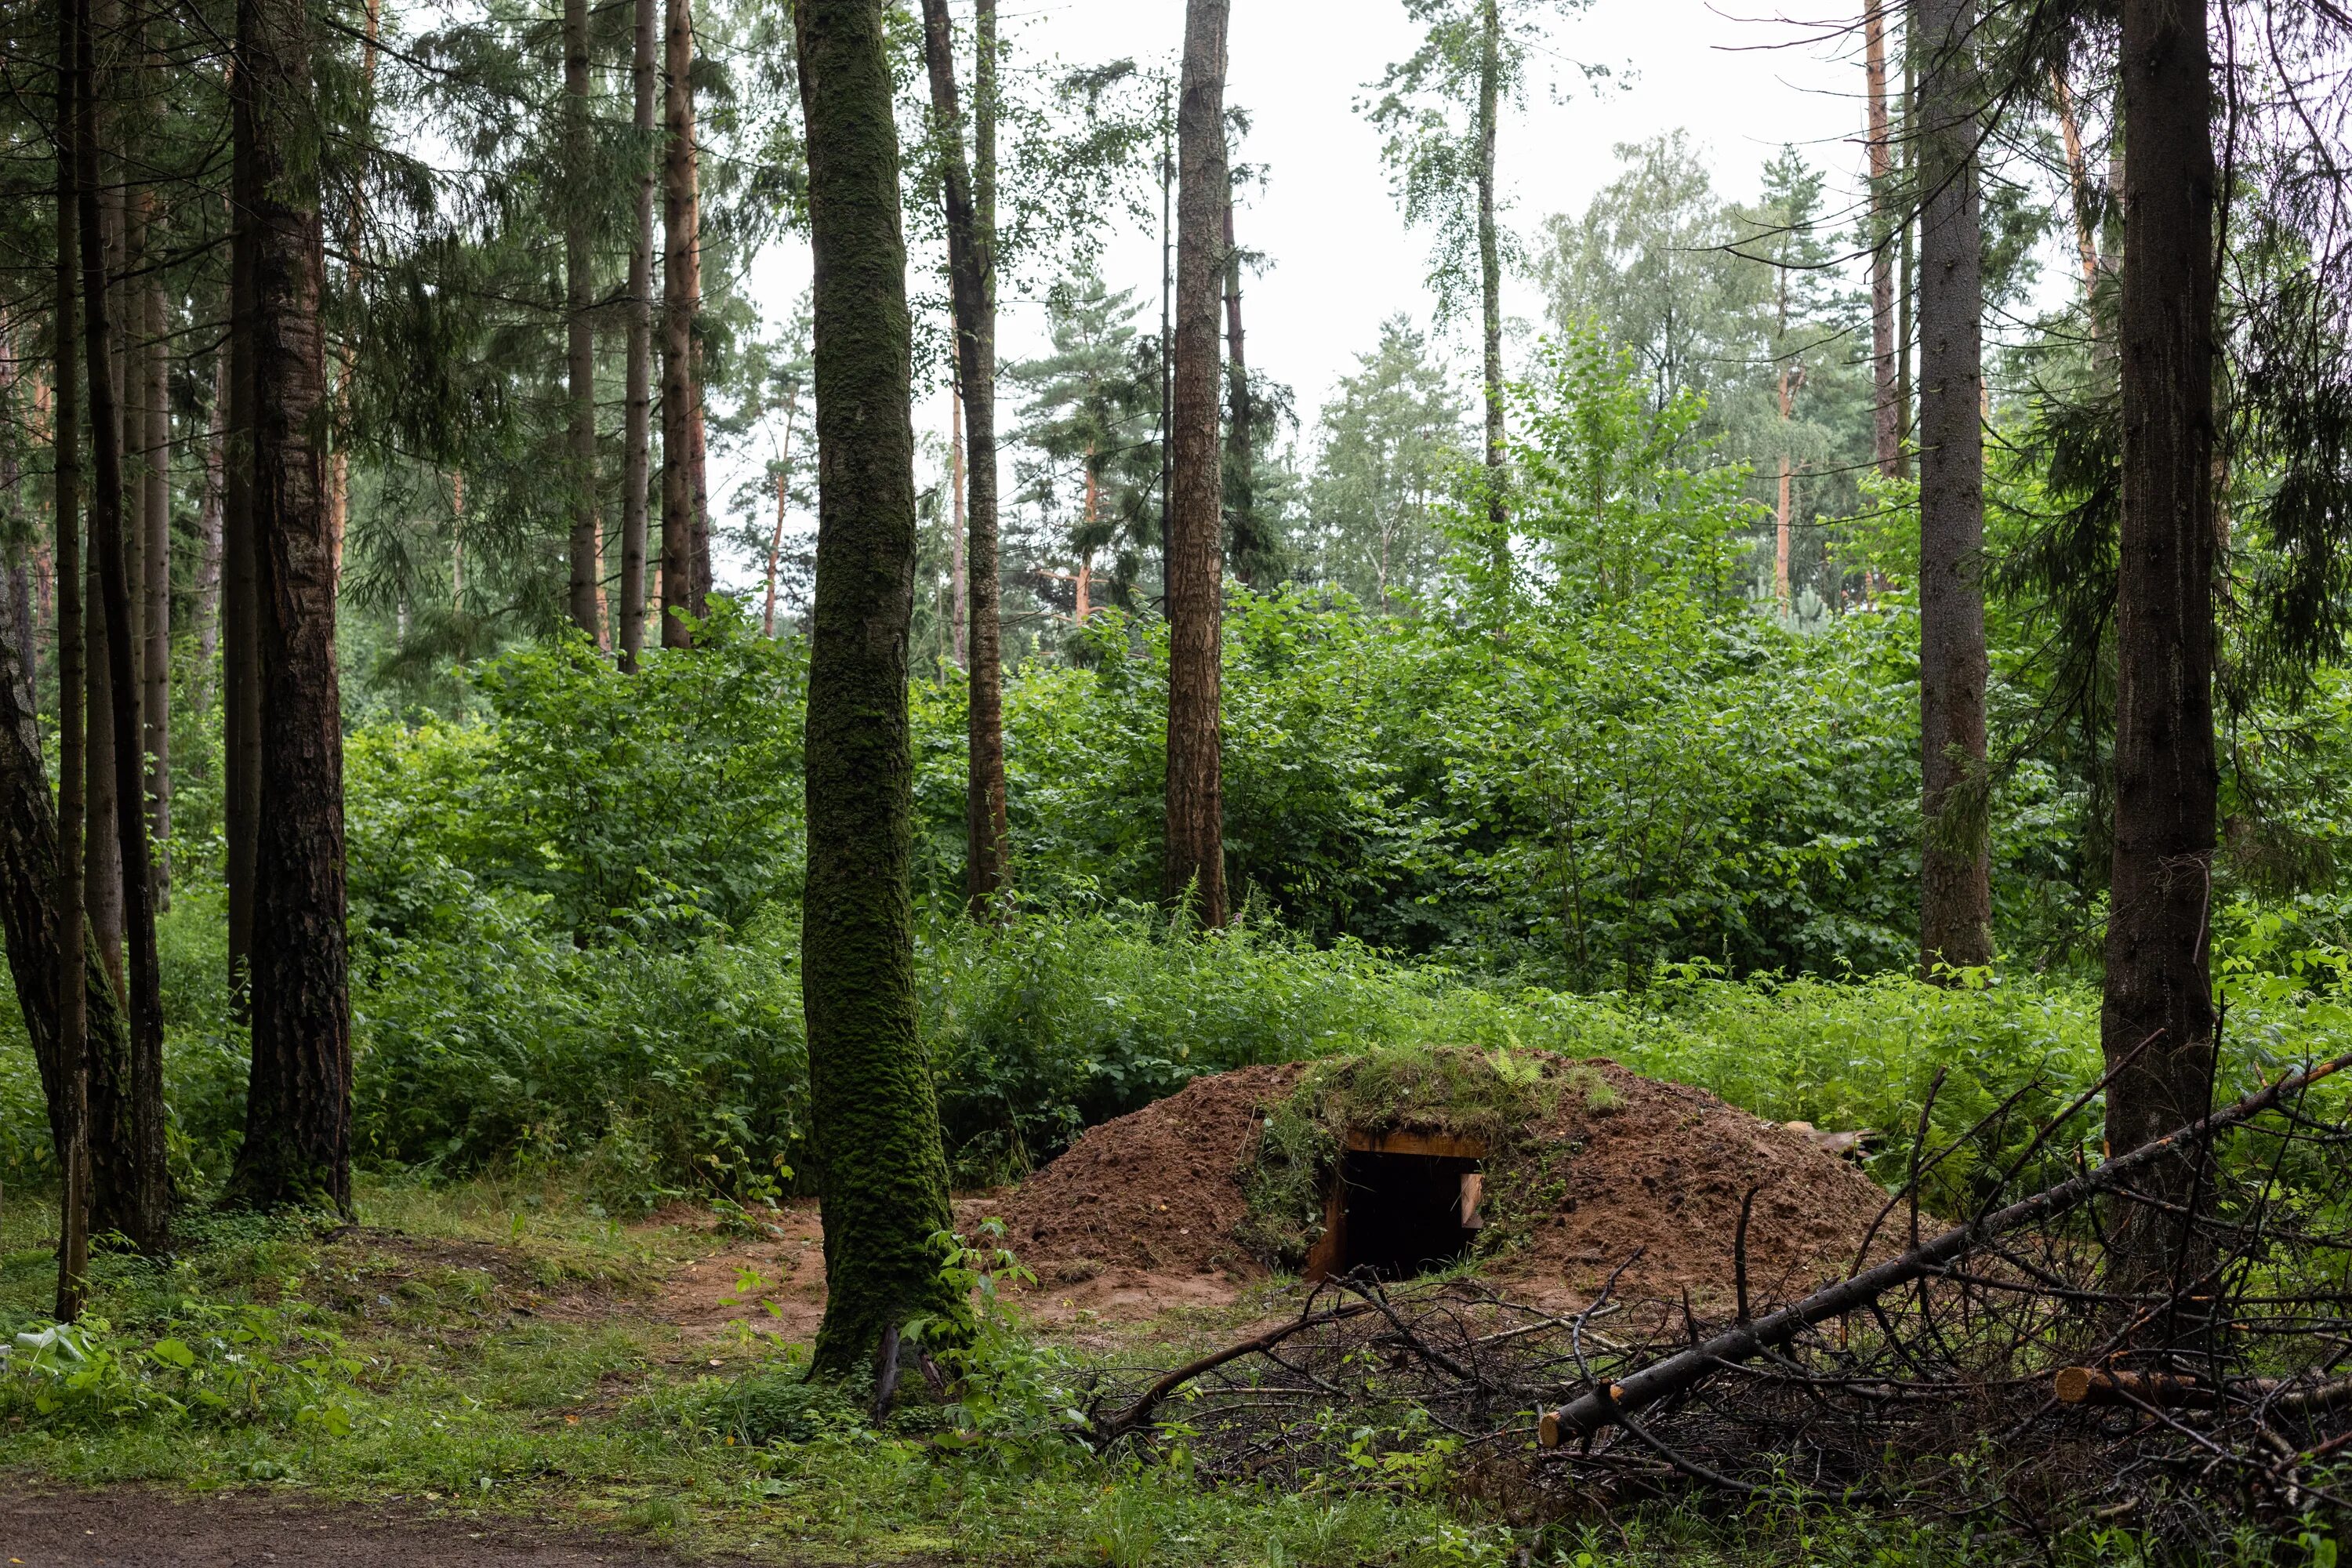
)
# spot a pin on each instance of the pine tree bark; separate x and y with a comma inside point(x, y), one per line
point(1196, 853)
point(1490, 266)
point(126, 1110)
point(685, 526)
point(636, 461)
point(296, 1149)
point(1249, 546)
point(959, 584)
point(783, 499)
point(971, 267)
point(1887, 421)
point(882, 1178)
point(44, 935)
point(69, 1075)
point(240, 589)
point(155, 584)
point(1906, 268)
point(2158, 999)
point(1956, 892)
point(580, 322)
point(209, 548)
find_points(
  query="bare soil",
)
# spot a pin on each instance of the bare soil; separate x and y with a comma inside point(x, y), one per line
point(1642, 1173)
point(1626, 1175)
point(124, 1528)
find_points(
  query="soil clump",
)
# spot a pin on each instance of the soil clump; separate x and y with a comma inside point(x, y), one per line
point(1607, 1172)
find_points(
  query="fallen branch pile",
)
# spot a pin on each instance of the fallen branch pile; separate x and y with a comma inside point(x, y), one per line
point(1992, 1371)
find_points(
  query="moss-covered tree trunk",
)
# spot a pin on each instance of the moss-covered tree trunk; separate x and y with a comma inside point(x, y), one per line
point(882, 1179)
point(1196, 816)
point(297, 1150)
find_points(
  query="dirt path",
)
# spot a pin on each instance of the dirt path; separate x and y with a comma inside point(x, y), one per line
point(136, 1529)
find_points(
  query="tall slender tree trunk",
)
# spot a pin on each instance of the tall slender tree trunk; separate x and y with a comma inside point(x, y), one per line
point(1490, 265)
point(1887, 421)
point(2158, 999)
point(70, 1099)
point(1249, 546)
point(1906, 261)
point(958, 579)
point(637, 460)
point(783, 499)
point(972, 266)
point(43, 942)
point(155, 583)
point(102, 859)
point(580, 302)
point(126, 1112)
point(296, 1149)
point(2078, 186)
point(882, 1179)
point(685, 536)
point(240, 589)
point(347, 353)
point(1783, 536)
point(209, 550)
point(1196, 852)
point(1956, 894)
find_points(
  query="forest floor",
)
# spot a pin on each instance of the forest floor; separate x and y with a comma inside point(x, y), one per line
point(71, 1528)
point(497, 1373)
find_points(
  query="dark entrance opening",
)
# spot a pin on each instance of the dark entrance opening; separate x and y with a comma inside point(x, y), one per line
point(1404, 1203)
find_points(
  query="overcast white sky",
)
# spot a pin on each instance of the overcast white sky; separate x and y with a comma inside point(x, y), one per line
point(1739, 78)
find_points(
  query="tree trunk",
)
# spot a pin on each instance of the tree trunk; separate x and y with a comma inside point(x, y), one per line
point(240, 590)
point(1782, 536)
point(156, 582)
point(208, 533)
point(347, 354)
point(126, 1109)
point(783, 498)
point(636, 461)
point(580, 359)
point(68, 1086)
point(972, 266)
point(37, 922)
point(882, 1179)
point(1249, 549)
point(1490, 264)
point(2158, 987)
point(1196, 853)
point(1955, 893)
point(1907, 278)
point(298, 1105)
point(2078, 186)
point(958, 579)
point(1887, 424)
point(685, 547)
point(102, 859)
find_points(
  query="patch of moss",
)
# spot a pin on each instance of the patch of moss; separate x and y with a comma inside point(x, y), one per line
point(1492, 1095)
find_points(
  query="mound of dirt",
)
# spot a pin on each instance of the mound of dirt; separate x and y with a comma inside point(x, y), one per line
point(1157, 1191)
point(1659, 1169)
point(1621, 1169)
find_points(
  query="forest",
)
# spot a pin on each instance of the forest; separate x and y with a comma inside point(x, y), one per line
point(718, 843)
